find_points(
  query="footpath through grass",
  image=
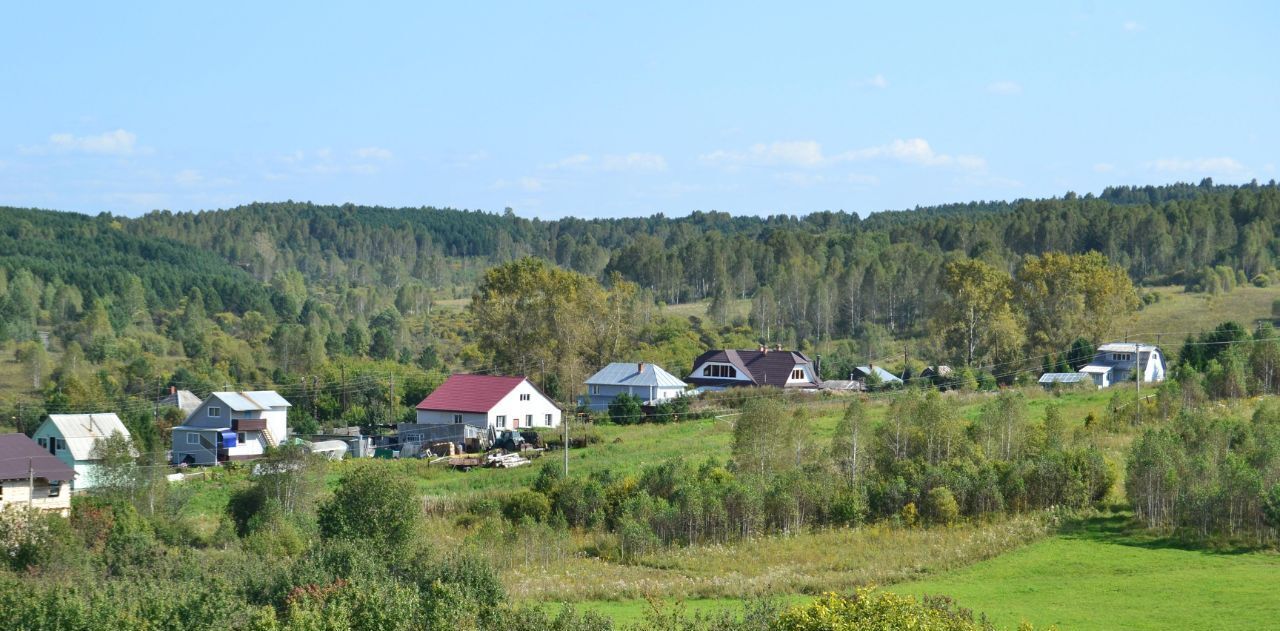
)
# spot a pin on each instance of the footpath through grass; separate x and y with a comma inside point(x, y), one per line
point(1098, 576)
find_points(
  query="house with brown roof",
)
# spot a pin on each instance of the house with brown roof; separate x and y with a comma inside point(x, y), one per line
point(32, 477)
point(761, 367)
point(489, 402)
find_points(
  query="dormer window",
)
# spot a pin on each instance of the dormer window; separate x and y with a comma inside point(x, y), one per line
point(797, 374)
point(719, 370)
point(215, 411)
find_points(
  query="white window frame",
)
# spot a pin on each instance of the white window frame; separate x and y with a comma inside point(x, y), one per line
point(457, 419)
point(595, 389)
point(525, 397)
point(55, 488)
point(214, 411)
point(501, 421)
point(528, 420)
point(797, 374)
point(548, 420)
point(193, 438)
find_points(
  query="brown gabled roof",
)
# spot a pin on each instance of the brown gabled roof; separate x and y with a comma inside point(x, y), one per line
point(20, 456)
point(765, 368)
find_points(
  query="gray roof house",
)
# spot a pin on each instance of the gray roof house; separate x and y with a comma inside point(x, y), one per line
point(649, 382)
point(231, 426)
point(184, 400)
point(862, 372)
point(1120, 361)
point(72, 438)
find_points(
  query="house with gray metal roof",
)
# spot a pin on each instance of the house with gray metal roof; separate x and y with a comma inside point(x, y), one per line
point(231, 426)
point(1125, 361)
point(72, 438)
point(862, 373)
point(648, 382)
point(184, 400)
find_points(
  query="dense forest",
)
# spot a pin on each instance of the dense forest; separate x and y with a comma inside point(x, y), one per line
point(104, 311)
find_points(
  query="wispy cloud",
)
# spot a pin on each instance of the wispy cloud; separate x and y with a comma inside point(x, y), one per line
point(800, 153)
point(1201, 166)
point(373, 153)
point(877, 81)
point(527, 184)
point(118, 142)
point(1004, 88)
point(809, 154)
point(628, 162)
point(1132, 26)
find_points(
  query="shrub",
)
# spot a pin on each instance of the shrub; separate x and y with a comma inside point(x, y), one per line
point(868, 609)
point(372, 503)
point(941, 507)
point(526, 504)
point(625, 409)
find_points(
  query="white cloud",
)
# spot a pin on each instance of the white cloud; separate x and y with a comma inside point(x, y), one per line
point(188, 177)
point(635, 161)
point(373, 153)
point(1201, 166)
point(118, 142)
point(1004, 88)
point(801, 153)
point(878, 81)
point(1132, 26)
point(809, 154)
point(916, 151)
point(1104, 167)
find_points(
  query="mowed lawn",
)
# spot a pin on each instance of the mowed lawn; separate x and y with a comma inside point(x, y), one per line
point(1100, 578)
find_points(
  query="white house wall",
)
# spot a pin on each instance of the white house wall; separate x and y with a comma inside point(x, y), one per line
point(512, 407)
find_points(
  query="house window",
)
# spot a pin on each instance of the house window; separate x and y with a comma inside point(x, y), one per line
point(42, 442)
point(457, 419)
point(595, 389)
point(240, 438)
point(524, 397)
point(215, 411)
point(62, 444)
point(55, 488)
point(548, 420)
point(502, 421)
point(528, 420)
point(716, 370)
point(193, 439)
point(797, 374)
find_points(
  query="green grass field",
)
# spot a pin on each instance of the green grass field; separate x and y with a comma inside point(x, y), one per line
point(1099, 576)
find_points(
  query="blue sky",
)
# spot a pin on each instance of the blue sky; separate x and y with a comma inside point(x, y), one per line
point(629, 109)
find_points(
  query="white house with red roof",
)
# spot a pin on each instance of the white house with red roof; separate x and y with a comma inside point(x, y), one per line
point(489, 402)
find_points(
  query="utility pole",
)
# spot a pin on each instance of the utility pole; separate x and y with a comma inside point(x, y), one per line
point(391, 401)
point(31, 486)
point(344, 389)
point(566, 445)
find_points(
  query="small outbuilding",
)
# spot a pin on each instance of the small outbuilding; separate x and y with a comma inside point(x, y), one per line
point(647, 381)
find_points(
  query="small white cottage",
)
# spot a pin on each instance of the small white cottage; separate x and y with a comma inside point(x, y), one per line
point(72, 438)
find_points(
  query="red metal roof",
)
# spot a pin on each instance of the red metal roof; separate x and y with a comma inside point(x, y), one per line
point(469, 393)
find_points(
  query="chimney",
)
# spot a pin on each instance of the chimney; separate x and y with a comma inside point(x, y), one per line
point(173, 389)
point(640, 367)
point(777, 347)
